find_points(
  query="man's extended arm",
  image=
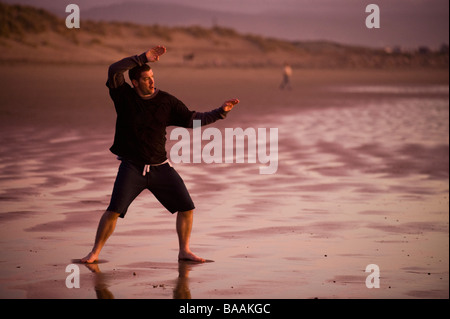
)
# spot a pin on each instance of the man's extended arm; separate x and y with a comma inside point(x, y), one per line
point(207, 118)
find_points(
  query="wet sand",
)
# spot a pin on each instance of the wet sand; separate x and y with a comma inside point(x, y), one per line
point(362, 179)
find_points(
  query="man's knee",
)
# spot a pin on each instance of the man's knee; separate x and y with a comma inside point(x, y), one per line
point(186, 215)
point(111, 215)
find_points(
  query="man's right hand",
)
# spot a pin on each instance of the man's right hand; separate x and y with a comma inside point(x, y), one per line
point(154, 54)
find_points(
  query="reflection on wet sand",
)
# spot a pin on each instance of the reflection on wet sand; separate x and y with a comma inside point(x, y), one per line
point(102, 282)
point(181, 290)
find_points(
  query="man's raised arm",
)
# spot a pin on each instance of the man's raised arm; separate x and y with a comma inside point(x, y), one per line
point(117, 69)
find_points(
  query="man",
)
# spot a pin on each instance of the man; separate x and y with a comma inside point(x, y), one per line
point(143, 113)
point(287, 74)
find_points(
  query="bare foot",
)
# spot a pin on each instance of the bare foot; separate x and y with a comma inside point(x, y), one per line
point(190, 256)
point(90, 258)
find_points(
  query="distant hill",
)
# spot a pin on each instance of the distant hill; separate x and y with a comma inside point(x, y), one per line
point(161, 14)
point(28, 34)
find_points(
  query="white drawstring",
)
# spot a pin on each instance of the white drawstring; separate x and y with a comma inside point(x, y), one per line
point(146, 170)
point(147, 167)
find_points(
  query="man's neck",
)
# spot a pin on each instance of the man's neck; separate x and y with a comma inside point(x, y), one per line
point(148, 96)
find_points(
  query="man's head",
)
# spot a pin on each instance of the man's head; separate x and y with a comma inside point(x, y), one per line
point(142, 79)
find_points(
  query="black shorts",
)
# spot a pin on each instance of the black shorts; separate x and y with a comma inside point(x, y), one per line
point(163, 181)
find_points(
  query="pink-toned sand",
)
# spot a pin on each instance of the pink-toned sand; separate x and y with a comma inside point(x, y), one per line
point(362, 179)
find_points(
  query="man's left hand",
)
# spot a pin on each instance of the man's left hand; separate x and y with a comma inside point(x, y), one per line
point(228, 105)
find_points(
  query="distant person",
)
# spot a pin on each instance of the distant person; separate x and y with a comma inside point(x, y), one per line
point(188, 57)
point(143, 113)
point(287, 74)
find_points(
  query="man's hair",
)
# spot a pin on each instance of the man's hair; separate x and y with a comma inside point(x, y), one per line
point(135, 73)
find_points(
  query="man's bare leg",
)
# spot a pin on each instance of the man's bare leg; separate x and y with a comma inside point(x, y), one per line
point(184, 227)
point(106, 227)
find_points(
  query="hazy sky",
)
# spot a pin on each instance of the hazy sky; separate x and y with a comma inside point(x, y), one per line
point(404, 22)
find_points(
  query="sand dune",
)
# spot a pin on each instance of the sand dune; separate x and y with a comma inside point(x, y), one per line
point(41, 37)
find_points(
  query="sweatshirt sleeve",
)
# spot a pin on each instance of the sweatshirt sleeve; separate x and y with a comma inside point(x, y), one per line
point(183, 117)
point(207, 118)
point(117, 69)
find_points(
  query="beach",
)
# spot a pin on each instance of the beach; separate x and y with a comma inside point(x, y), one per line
point(362, 179)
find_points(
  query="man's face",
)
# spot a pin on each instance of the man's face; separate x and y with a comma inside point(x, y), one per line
point(146, 84)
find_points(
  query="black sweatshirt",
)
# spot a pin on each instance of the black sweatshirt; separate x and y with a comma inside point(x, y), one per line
point(141, 123)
